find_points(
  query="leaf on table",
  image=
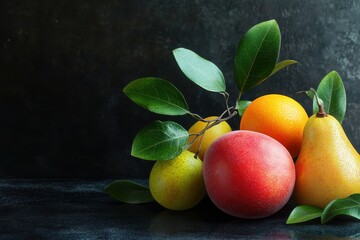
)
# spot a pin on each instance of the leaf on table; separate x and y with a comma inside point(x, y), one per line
point(199, 70)
point(256, 55)
point(332, 91)
point(349, 206)
point(160, 141)
point(303, 213)
point(157, 95)
point(129, 192)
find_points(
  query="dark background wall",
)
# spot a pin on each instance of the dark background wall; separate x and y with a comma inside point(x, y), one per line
point(65, 63)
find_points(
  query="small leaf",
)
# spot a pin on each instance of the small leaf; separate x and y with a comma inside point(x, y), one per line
point(311, 94)
point(303, 213)
point(129, 192)
point(332, 91)
point(257, 55)
point(157, 95)
point(199, 70)
point(160, 141)
point(349, 206)
point(281, 65)
point(241, 107)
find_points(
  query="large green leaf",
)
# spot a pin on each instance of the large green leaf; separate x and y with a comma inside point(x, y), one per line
point(303, 213)
point(349, 206)
point(129, 192)
point(157, 95)
point(332, 91)
point(160, 141)
point(199, 70)
point(256, 55)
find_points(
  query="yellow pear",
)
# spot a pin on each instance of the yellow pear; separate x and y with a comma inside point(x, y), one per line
point(328, 166)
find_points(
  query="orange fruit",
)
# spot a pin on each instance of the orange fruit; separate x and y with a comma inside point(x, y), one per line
point(279, 117)
point(208, 137)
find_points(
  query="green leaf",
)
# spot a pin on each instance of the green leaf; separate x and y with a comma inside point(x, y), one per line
point(281, 65)
point(160, 141)
point(303, 213)
point(257, 55)
point(332, 91)
point(199, 70)
point(311, 94)
point(241, 107)
point(157, 95)
point(349, 206)
point(129, 192)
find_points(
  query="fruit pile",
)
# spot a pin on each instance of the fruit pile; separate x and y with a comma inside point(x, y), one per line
point(277, 153)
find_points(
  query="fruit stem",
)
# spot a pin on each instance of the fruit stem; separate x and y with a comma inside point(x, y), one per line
point(321, 112)
point(230, 111)
point(210, 124)
point(226, 96)
point(313, 94)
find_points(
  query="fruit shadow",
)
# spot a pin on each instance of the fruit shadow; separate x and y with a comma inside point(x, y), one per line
point(206, 220)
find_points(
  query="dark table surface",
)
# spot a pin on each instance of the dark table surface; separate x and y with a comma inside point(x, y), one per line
point(79, 209)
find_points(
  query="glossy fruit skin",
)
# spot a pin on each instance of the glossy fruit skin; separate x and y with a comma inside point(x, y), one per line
point(277, 116)
point(178, 184)
point(328, 166)
point(248, 174)
point(209, 136)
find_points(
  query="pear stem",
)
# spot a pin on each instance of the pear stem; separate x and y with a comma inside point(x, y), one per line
point(321, 112)
point(320, 104)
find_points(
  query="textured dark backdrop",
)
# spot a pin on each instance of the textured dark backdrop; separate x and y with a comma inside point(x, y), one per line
point(65, 63)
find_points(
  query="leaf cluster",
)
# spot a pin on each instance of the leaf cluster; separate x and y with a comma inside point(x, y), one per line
point(331, 94)
point(349, 206)
point(255, 60)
